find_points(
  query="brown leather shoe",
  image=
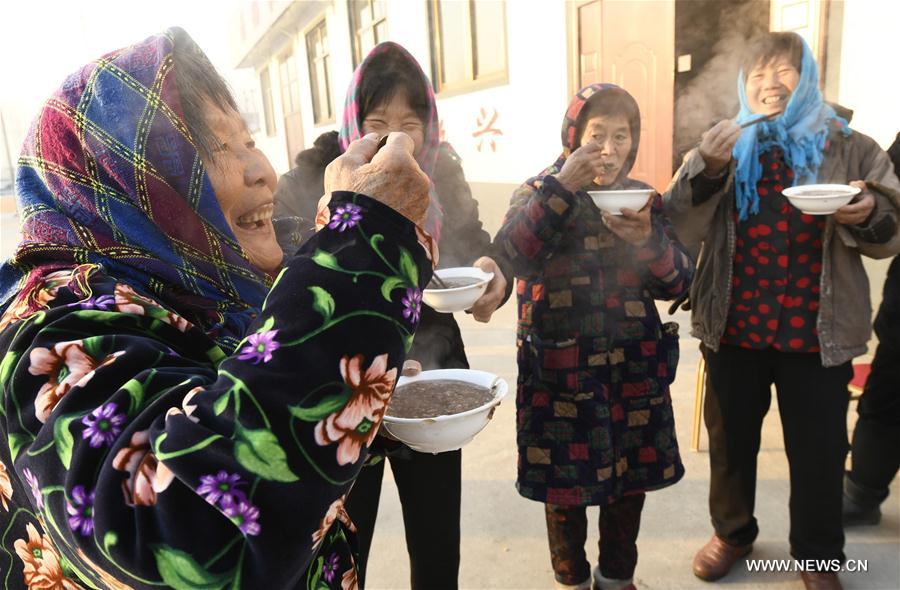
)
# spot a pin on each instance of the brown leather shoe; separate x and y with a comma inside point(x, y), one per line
point(821, 581)
point(716, 558)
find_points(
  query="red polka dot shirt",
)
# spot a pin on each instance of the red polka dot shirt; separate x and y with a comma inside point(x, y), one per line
point(776, 272)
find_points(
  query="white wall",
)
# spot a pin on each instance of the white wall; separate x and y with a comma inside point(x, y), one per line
point(869, 80)
point(530, 106)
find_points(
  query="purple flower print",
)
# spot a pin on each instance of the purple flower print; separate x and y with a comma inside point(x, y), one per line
point(412, 304)
point(260, 347)
point(103, 302)
point(81, 511)
point(221, 487)
point(32, 481)
point(345, 217)
point(244, 514)
point(103, 425)
point(329, 568)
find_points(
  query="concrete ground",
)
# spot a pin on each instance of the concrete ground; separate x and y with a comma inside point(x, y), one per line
point(504, 541)
point(504, 536)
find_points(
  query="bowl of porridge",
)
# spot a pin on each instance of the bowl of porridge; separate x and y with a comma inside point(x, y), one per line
point(613, 201)
point(443, 410)
point(458, 289)
point(820, 199)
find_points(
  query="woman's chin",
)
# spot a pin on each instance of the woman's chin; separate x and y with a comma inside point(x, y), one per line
point(261, 247)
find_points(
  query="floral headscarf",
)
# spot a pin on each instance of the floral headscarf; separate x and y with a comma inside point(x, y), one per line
point(110, 176)
point(351, 125)
point(800, 131)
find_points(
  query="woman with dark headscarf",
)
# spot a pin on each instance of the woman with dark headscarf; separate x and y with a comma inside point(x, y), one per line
point(173, 413)
point(390, 92)
point(781, 297)
point(595, 422)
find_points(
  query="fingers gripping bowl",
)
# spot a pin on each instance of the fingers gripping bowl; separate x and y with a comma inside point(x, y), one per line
point(464, 286)
point(444, 432)
point(820, 199)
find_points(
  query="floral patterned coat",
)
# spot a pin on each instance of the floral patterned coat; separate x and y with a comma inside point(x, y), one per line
point(136, 454)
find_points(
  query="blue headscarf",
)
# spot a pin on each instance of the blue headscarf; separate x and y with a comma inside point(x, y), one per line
point(800, 131)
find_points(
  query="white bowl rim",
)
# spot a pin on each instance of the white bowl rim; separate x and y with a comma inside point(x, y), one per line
point(452, 374)
point(627, 192)
point(461, 272)
point(839, 190)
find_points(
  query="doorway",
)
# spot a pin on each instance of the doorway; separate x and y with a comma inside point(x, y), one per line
point(632, 45)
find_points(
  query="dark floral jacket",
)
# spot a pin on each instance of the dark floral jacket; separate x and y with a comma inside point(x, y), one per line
point(136, 454)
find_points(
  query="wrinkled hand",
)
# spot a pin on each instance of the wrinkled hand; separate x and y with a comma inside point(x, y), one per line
point(632, 226)
point(390, 176)
point(857, 211)
point(581, 167)
point(488, 303)
point(716, 145)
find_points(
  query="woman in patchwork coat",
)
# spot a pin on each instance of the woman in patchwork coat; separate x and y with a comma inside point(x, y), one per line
point(595, 422)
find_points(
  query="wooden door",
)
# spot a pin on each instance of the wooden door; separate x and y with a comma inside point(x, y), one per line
point(804, 17)
point(636, 45)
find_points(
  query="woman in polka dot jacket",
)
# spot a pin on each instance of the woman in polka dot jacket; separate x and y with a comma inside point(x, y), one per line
point(780, 296)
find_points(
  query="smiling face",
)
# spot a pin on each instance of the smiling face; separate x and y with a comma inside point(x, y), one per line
point(769, 85)
point(244, 182)
point(613, 133)
point(396, 115)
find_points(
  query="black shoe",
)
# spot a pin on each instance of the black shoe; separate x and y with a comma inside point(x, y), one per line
point(861, 504)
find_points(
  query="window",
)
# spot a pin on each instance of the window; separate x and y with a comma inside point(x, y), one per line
point(319, 80)
point(468, 43)
point(290, 84)
point(265, 84)
point(368, 26)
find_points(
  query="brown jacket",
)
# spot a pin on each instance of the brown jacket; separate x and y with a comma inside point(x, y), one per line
point(845, 309)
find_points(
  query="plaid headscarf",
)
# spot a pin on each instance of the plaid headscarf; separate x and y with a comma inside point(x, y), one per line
point(572, 121)
point(109, 175)
point(351, 125)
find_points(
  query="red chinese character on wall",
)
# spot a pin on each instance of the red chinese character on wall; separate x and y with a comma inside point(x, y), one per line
point(485, 132)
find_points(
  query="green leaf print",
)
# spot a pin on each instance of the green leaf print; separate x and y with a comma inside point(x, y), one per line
point(63, 437)
point(93, 347)
point(408, 267)
point(323, 302)
point(389, 284)
point(323, 409)
point(326, 260)
point(267, 325)
point(95, 315)
point(16, 442)
point(222, 402)
point(135, 391)
point(180, 571)
point(260, 452)
point(6, 367)
point(216, 355)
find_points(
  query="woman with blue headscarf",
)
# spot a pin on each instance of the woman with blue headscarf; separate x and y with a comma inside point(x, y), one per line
point(780, 296)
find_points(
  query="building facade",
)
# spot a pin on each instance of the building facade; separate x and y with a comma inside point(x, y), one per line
point(503, 71)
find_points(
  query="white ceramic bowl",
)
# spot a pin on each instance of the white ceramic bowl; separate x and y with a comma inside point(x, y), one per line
point(459, 298)
point(614, 201)
point(820, 199)
point(446, 433)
